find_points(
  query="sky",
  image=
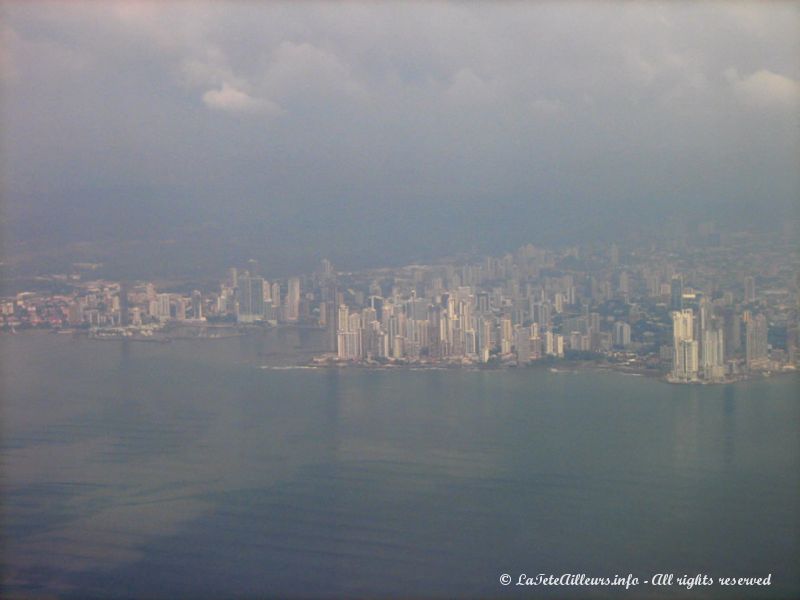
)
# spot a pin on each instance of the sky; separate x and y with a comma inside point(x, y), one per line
point(388, 131)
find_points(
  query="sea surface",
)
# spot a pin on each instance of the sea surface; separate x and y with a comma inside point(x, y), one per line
point(197, 469)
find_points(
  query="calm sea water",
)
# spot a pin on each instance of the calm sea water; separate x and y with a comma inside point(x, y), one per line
point(186, 470)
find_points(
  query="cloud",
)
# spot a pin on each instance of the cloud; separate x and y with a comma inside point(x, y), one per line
point(305, 70)
point(375, 99)
point(547, 108)
point(690, 90)
point(466, 88)
point(210, 69)
point(765, 89)
point(8, 39)
point(233, 100)
point(300, 75)
point(18, 53)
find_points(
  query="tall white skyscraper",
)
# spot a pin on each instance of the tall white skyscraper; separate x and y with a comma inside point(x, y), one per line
point(276, 294)
point(685, 363)
point(506, 335)
point(162, 307)
point(712, 355)
point(348, 337)
point(756, 342)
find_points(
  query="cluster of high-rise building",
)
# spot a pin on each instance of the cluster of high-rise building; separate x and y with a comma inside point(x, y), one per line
point(703, 325)
point(680, 309)
point(518, 309)
point(699, 345)
point(447, 326)
point(121, 305)
point(251, 299)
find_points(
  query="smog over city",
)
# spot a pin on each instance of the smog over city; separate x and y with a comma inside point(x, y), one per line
point(372, 299)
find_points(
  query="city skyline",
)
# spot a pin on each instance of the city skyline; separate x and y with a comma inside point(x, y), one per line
point(674, 308)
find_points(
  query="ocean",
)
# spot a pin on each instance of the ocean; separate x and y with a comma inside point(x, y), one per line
point(213, 469)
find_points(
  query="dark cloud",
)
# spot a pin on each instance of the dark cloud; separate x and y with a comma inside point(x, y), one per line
point(353, 116)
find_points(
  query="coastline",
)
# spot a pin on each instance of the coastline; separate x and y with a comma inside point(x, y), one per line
point(567, 367)
point(325, 362)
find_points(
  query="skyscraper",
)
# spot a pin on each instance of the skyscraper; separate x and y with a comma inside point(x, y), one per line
point(733, 335)
point(756, 348)
point(163, 307)
point(251, 299)
point(506, 333)
point(485, 332)
point(348, 337)
point(749, 290)
point(329, 297)
point(326, 269)
point(293, 300)
point(123, 305)
point(276, 294)
point(197, 305)
point(676, 293)
point(180, 308)
point(712, 359)
point(522, 344)
point(622, 334)
point(685, 348)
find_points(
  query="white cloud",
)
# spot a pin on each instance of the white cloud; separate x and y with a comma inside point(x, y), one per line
point(765, 89)
point(466, 88)
point(392, 84)
point(18, 53)
point(547, 108)
point(209, 68)
point(640, 70)
point(231, 99)
point(306, 70)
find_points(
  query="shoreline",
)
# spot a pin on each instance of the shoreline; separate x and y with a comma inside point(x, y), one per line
point(557, 367)
point(322, 363)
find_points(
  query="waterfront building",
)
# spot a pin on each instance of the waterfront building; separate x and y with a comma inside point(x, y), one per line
point(293, 300)
point(756, 345)
point(251, 299)
point(197, 305)
point(162, 311)
point(733, 331)
point(506, 333)
point(522, 344)
point(276, 294)
point(348, 346)
point(713, 354)
point(685, 347)
point(180, 309)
